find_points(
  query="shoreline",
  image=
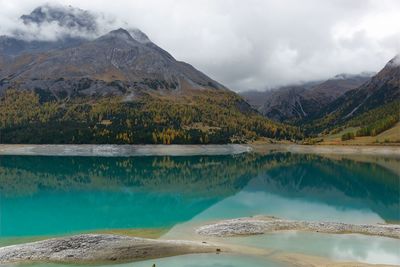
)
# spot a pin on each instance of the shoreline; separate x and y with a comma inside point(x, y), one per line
point(123, 150)
point(98, 249)
point(384, 150)
point(192, 150)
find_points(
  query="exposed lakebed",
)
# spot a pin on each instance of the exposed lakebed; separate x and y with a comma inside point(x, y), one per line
point(45, 196)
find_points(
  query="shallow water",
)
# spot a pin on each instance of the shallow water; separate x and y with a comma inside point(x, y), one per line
point(199, 260)
point(209, 261)
point(48, 196)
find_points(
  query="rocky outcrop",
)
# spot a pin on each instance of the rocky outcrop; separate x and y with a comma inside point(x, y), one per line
point(262, 224)
point(99, 248)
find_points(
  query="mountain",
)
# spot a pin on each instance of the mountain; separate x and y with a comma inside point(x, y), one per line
point(118, 87)
point(12, 46)
point(347, 106)
point(298, 102)
point(284, 104)
point(85, 66)
point(382, 88)
point(331, 89)
point(66, 17)
point(68, 26)
point(91, 67)
point(369, 105)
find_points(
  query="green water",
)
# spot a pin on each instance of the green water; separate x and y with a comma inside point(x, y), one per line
point(49, 196)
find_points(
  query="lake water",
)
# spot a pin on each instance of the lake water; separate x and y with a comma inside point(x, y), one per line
point(51, 196)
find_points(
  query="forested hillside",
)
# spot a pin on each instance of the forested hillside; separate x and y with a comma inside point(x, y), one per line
point(198, 117)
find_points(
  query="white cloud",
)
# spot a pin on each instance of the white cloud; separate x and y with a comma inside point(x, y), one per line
point(256, 43)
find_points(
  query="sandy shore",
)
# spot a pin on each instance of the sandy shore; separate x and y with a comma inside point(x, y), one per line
point(122, 150)
point(265, 224)
point(99, 248)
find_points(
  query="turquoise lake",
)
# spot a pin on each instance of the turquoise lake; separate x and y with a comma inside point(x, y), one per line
point(51, 196)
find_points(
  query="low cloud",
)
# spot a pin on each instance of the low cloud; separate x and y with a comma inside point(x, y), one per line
point(253, 44)
point(46, 23)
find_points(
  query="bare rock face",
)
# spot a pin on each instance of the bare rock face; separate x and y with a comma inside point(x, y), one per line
point(100, 248)
point(264, 224)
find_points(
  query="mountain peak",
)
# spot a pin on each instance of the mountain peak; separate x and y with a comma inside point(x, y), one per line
point(119, 33)
point(65, 16)
point(73, 22)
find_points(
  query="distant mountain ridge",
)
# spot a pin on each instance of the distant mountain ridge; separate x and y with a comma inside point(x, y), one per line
point(298, 102)
point(365, 104)
point(381, 90)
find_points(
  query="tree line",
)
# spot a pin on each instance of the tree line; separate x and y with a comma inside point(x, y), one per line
point(198, 118)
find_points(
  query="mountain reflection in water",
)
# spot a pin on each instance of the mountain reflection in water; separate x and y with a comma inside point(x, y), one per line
point(61, 195)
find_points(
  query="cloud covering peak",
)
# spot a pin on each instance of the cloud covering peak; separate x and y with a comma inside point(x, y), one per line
point(395, 62)
point(68, 17)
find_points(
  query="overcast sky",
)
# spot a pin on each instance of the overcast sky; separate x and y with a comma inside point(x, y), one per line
point(256, 44)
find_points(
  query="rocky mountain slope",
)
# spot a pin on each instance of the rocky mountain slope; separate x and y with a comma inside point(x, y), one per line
point(376, 97)
point(383, 88)
point(294, 103)
point(91, 68)
point(121, 60)
point(112, 64)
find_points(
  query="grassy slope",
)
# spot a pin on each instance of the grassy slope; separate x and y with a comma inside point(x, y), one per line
point(391, 136)
point(382, 123)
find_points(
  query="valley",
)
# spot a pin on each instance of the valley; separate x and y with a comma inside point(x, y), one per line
point(121, 88)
